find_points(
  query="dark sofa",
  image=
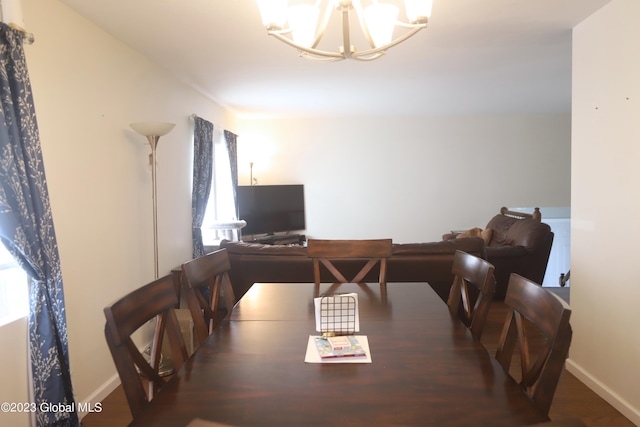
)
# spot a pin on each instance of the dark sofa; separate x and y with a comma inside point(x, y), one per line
point(518, 246)
point(415, 262)
point(515, 245)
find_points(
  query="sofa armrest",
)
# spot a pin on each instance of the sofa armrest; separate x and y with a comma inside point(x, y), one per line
point(506, 251)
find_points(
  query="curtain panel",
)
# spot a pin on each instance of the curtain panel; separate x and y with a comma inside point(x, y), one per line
point(232, 147)
point(26, 229)
point(202, 176)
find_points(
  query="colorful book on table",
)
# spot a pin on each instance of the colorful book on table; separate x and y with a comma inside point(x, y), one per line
point(340, 346)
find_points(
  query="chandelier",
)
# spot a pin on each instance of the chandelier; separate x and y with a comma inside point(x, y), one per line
point(303, 24)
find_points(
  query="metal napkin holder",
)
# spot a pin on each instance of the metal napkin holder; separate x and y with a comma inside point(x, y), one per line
point(338, 315)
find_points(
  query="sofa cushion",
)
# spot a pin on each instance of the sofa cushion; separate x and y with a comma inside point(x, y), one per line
point(500, 225)
point(528, 233)
point(244, 248)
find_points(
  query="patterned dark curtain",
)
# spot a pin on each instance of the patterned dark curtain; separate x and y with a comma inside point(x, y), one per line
point(202, 176)
point(26, 229)
point(232, 147)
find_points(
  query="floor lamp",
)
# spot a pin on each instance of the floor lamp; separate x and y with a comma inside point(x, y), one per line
point(153, 131)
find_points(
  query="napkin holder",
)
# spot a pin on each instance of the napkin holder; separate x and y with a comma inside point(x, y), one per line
point(337, 315)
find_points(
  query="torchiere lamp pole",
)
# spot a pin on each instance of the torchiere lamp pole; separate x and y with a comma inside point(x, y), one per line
point(153, 131)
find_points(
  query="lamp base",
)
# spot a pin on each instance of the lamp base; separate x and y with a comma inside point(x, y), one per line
point(166, 367)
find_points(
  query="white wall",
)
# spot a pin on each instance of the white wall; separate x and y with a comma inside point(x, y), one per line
point(87, 88)
point(413, 178)
point(13, 359)
point(605, 352)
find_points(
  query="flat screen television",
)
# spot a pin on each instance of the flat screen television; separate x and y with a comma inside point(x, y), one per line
point(270, 209)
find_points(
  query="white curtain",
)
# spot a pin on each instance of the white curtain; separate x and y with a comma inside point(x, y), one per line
point(221, 206)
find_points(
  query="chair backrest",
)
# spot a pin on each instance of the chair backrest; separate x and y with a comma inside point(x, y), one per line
point(538, 321)
point(537, 215)
point(375, 251)
point(472, 290)
point(155, 300)
point(205, 282)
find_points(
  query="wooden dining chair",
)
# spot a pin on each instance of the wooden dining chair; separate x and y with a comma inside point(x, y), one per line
point(324, 252)
point(472, 290)
point(538, 322)
point(155, 300)
point(205, 282)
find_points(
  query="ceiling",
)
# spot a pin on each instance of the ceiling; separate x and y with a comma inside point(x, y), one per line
point(490, 56)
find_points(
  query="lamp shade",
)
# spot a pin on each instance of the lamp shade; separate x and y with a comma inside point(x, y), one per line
point(418, 10)
point(273, 12)
point(152, 128)
point(303, 19)
point(381, 19)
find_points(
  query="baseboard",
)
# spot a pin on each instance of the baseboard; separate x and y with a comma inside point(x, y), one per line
point(615, 400)
point(90, 403)
point(93, 401)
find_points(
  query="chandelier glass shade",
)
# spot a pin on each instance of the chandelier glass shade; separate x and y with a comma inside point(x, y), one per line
point(302, 24)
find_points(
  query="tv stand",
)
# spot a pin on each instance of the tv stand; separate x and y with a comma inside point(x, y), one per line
point(281, 239)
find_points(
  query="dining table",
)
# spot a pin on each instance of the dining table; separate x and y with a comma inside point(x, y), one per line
point(426, 369)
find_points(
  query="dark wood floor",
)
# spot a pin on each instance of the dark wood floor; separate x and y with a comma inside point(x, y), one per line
point(572, 399)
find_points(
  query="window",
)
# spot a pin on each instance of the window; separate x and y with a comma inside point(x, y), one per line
point(14, 297)
point(221, 206)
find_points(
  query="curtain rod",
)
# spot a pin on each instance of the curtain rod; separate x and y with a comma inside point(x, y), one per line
point(194, 116)
point(27, 37)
